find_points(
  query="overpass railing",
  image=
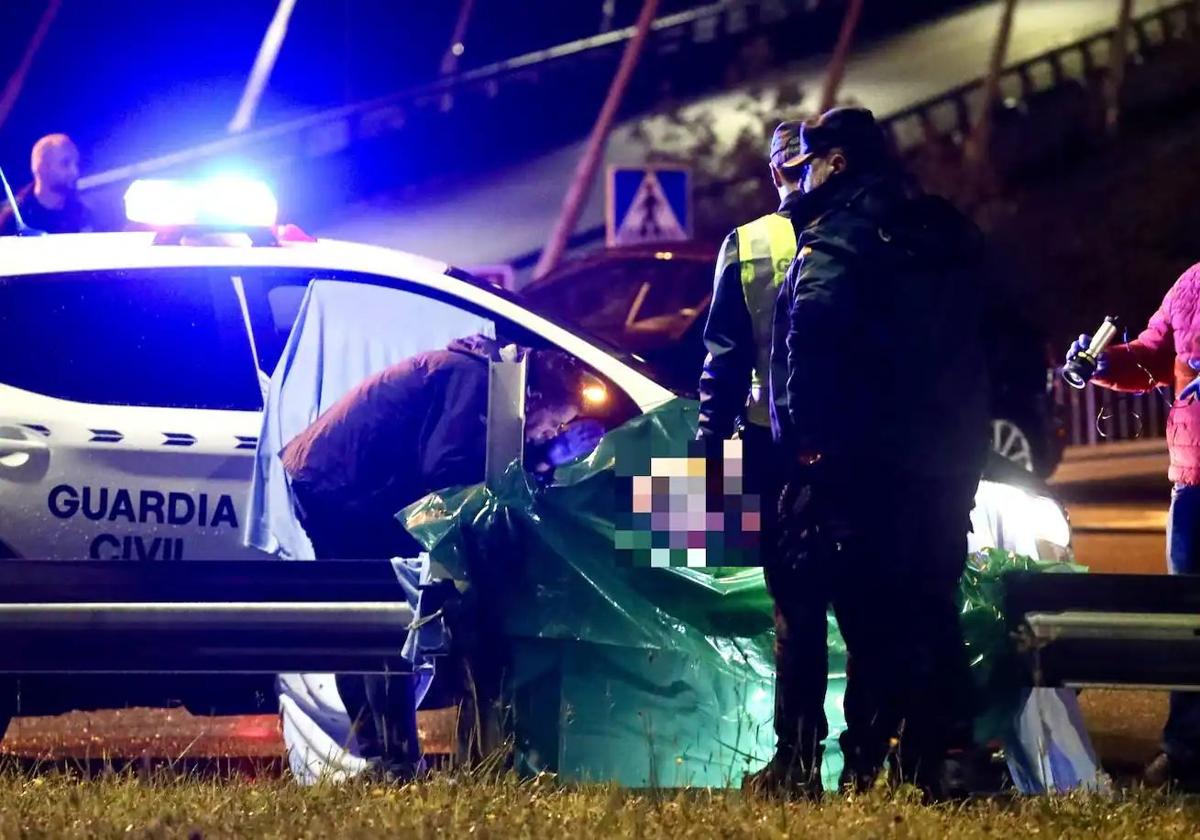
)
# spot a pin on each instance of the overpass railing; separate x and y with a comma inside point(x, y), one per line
point(1063, 88)
point(1050, 103)
point(330, 131)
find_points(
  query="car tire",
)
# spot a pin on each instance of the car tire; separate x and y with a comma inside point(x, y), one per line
point(1010, 441)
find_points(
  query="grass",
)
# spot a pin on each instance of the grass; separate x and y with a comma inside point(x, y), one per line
point(161, 805)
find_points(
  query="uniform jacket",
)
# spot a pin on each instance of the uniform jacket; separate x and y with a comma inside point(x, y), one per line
point(413, 428)
point(1159, 356)
point(877, 359)
point(733, 341)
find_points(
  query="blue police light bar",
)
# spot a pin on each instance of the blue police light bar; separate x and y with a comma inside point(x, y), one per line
point(226, 201)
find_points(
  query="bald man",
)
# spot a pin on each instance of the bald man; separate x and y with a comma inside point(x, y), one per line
point(52, 203)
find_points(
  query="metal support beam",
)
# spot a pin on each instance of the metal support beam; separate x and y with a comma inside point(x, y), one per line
point(841, 52)
point(979, 143)
point(264, 63)
point(1118, 58)
point(16, 81)
point(458, 42)
point(585, 172)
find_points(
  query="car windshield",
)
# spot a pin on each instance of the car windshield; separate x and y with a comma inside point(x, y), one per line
point(589, 300)
point(605, 297)
point(537, 305)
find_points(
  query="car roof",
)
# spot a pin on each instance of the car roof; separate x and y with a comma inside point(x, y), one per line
point(63, 252)
point(100, 252)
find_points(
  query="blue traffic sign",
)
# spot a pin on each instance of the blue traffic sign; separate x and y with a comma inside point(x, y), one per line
point(648, 204)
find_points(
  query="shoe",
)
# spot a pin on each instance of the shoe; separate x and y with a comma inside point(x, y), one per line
point(393, 772)
point(960, 774)
point(958, 778)
point(1163, 772)
point(785, 777)
point(855, 780)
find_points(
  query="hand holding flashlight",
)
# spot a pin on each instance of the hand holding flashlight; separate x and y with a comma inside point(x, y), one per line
point(1086, 357)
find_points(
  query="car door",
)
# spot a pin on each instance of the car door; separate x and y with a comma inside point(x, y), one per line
point(320, 333)
point(129, 414)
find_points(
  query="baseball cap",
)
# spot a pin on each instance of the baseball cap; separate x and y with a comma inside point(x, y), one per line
point(852, 129)
point(787, 148)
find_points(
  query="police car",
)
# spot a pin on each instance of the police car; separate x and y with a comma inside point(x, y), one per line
point(134, 366)
point(135, 369)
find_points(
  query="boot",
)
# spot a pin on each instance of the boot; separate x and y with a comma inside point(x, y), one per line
point(1163, 772)
point(854, 780)
point(956, 776)
point(861, 768)
point(786, 776)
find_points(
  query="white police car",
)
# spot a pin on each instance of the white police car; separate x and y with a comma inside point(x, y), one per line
point(134, 371)
point(133, 366)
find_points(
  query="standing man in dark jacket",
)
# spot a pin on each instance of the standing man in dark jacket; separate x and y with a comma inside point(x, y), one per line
point(735, 394)
point(51, 204)
point(413, 428)
point(879, 399)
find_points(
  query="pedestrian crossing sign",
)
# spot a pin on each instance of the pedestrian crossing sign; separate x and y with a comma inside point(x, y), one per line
point(648, 204)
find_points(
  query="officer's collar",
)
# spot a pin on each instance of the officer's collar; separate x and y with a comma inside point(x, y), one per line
point(804, 208)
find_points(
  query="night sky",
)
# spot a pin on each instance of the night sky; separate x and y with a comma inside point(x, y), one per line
point(133, 78)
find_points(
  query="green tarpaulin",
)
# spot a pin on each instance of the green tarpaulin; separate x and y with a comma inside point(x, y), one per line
point(645, 677)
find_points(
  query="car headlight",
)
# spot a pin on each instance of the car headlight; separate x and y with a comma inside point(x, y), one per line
point(1049, 522)
point(1014, 519)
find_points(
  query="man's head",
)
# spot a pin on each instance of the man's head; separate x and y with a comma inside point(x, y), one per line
point(786, 147)
point(55, 165)
point(840, 140)
point(555, 397)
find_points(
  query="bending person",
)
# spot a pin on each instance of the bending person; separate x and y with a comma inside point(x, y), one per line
point(414, 428)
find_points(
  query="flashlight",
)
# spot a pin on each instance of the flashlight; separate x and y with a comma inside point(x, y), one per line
point(1082, 366)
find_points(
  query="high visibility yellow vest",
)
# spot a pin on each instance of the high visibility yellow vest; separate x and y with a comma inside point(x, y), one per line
point(766, 248)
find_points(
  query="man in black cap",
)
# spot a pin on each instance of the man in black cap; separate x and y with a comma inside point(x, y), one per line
point(879, 403)
point(753, 262)
point(734, 396)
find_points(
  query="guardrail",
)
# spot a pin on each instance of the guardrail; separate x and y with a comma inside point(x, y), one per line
point(103, 617)
point(1105, 630)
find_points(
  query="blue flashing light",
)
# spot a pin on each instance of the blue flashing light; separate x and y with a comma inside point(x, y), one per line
point(224, 201)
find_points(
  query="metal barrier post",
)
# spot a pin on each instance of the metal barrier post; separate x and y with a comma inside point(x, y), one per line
point(1090, 413)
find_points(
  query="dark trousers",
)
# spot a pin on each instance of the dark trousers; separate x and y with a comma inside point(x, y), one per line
point(800, 627)
point(1181, 736)
point(382, 707)
point(887, 555)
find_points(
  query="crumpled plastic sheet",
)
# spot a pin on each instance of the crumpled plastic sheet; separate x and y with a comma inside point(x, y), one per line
point(316, 727)
point(653, 677)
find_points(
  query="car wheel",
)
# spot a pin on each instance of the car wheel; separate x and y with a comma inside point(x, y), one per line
point(1010, 441)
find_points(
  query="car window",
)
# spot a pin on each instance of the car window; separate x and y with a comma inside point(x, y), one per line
point(274, 297)
point(605, 296)
point(284, 303)
point(153, 337)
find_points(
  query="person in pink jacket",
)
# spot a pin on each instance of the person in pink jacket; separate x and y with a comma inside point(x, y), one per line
point(1167, 353)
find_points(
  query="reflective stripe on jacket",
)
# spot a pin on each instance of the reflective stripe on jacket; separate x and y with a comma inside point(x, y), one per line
point(766, 248)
